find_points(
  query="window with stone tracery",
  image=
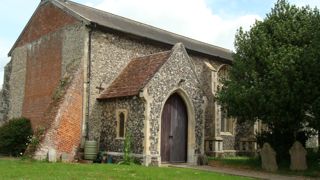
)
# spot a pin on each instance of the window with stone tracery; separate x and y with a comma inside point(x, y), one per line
point(226, 123)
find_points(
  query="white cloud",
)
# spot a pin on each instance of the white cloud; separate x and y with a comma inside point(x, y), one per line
point(191, 18)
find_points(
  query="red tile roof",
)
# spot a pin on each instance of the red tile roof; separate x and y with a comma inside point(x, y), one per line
point(135, 76)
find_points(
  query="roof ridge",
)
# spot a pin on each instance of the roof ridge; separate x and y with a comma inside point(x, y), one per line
point(149, 55)
point(60, 2)
point(150, 26)
point(96, 18)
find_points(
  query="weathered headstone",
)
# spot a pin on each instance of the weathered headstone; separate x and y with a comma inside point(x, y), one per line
point(268, 158)
point(64, 157)
point(52, 155)
point(298, 157)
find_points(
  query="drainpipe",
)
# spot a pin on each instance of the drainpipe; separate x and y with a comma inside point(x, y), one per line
point(89, 84)
point(86, 104)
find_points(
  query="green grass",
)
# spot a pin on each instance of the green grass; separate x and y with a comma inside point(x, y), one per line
point(238, 162)
point(27, 169)
point(255, 164)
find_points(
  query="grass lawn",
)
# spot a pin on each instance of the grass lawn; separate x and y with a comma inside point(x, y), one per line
point(238, 162)
point(255, 164)
point(26, 169)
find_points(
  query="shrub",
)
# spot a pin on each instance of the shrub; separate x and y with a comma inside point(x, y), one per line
point(34, 141)
point(14, 136)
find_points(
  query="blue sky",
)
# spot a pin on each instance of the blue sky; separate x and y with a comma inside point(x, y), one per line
point(211, 21)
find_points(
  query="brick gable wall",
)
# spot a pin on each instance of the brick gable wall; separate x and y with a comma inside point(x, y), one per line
point(51, 49)
point(42, 77)
point(46, 20)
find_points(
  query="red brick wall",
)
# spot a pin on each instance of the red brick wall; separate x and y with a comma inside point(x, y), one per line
point(47, 19)
point(69, 131)
point(42, 78)
point(43, 74)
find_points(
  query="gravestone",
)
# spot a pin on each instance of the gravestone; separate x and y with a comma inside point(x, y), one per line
point(64, 157)
point(268, 158)
point(298, 157)
point(52, 155)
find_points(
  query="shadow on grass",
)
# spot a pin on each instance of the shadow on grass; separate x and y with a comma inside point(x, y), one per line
point(254, 163)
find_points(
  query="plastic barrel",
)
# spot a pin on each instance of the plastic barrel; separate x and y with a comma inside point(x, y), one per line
point(90, 150)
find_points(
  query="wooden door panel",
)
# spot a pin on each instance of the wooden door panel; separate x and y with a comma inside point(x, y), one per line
point(165, 132)
point(179, 122)
point(174, 130)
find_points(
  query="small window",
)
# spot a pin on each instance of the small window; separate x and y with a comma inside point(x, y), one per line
point(121, 123)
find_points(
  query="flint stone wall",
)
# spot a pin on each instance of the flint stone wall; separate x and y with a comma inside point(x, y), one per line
point(166, 81)
point(17, 81)
point(228, 142)
point(205, 76)
point(4, 93)
point(110, 53)
point(134, 124)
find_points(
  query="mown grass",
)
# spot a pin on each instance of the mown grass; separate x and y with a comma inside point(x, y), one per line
point(237, 162)
point(28, 169)
point(313, 161)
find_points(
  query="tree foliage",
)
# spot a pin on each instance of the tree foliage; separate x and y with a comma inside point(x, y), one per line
point(276, 71)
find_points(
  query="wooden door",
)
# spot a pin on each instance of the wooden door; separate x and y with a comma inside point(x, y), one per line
point(174, 125)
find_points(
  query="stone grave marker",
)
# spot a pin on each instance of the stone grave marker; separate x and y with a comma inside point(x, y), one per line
point(64, 157)
point(298, 157)
point(52, 155)
point(268, 158)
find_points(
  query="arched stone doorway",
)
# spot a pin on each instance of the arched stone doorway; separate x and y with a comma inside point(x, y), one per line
point(174, 130)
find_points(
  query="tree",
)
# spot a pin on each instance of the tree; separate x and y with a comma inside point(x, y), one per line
point(271, 79)
point(312, 76)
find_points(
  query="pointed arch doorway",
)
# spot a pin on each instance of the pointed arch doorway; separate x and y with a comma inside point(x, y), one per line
point(174, 130)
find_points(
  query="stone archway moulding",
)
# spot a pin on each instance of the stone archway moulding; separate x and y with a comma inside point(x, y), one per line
point(191, 124)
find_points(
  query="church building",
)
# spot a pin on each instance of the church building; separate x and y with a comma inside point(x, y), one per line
point(84, 74)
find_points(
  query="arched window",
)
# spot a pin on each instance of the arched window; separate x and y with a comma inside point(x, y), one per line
point(226, 124)
point(121, 123)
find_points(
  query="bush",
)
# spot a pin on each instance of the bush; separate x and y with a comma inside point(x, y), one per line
point(34, 141)
point(14, 136)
